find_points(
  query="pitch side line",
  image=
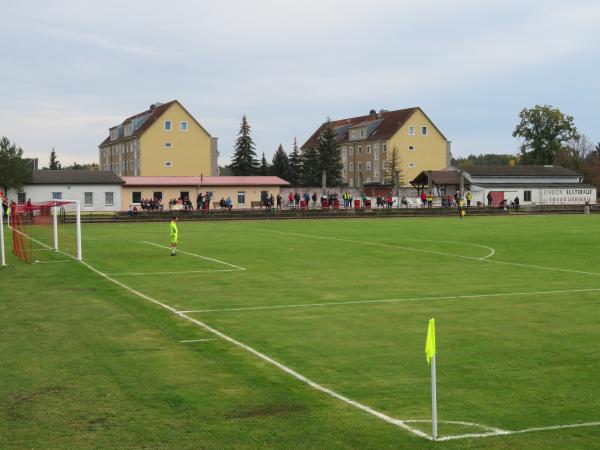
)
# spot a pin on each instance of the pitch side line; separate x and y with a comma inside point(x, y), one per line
point(389, 300)
point(472, 258)
point(264, 357)
point(197, 256)
point(197, 340)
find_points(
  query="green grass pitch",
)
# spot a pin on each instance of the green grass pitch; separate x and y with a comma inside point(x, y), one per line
point(89, 363)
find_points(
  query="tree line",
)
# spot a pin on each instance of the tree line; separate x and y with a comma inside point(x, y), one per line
point(318, 165)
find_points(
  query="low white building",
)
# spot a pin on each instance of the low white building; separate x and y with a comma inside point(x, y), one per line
point(96, 190)
point(539, 185)
point(533, 185)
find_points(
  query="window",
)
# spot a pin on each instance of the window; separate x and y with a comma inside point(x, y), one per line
point(157, 195)
point(384, 166)
point(168, 164)
point(423, 131)
point(411, 165)
point(369, 149)
point(183, 125)
point(351, 182)
point(109, 199)
point(376, 175)
point(376, 147)
point(368, 165)
point(411, 131)
point(351, 167)
point(411, 148)
point(88, 198)
point(359, 149)
point(168, 145)
point(241, 198)
point(376, 155)
point(526, 196)
point(362, 133)
point(360, 167)
point(351, 150)
point(57, 196)
point(168, 125)
point(384, 147)
point(21, 197)
point(353, 134)
point(136, 197)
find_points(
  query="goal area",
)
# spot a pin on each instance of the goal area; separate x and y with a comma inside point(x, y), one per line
point(46, 231)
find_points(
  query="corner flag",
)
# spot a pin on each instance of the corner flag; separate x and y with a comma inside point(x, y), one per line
point(430, 343)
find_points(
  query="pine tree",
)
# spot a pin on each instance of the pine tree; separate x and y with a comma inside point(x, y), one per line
point(296, 171)
point(54, 163)
point(330, 163)
point(280, 166)
point(311, 165)
point(264, 168)
point(244, 160)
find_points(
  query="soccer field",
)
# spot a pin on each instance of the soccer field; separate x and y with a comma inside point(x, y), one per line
point(307, 334)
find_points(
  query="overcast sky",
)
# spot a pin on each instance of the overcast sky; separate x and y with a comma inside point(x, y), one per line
point(71, 69)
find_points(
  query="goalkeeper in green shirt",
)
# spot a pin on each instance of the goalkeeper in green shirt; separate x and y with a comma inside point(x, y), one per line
point(173, 227)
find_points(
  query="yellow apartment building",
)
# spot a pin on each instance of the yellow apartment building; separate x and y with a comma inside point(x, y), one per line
point(367, 143)
point(165, 140)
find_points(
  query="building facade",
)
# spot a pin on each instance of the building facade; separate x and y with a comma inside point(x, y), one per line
point(95, 190)
point(243, 191)
point(165, 140)
point(367, 144)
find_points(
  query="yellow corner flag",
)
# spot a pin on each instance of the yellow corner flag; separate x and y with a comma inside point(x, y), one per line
point(430, 343)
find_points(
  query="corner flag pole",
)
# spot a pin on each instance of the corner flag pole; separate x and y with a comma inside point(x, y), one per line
point(2, 256)
point(430, 354)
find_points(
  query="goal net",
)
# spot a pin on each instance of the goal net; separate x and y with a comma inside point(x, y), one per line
point(46, 231)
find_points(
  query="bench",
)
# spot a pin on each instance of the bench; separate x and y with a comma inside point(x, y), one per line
point(256, 204)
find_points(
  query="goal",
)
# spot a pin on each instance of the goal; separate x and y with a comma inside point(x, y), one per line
point(46, 231)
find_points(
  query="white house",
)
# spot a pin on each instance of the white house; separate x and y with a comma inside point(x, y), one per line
point(533, 185)
point(96, 190)
point(540, 185)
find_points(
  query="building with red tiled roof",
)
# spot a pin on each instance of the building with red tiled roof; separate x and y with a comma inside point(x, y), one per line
point(367, 145)
point(165, 140)
point(243, 191)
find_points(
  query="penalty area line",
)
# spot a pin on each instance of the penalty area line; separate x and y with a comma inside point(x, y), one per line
point(170, 273)
point(389, 300)
point(196, 255)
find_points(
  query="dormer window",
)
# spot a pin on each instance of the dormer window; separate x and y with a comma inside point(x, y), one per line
point(353, 134)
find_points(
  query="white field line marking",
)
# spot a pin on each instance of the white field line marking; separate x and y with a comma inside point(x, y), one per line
point(198, 340)
point(525, 430)
point(433, 252)
point(489, 255)
point(390, 300)
point(171, 273)
point(293, 373)
point(459, 422)
point(52, 262)
point(197, 256)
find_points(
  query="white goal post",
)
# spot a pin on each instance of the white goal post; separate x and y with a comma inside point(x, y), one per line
point(42, 229)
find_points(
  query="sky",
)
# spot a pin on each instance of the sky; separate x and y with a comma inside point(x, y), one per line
point(72, 69)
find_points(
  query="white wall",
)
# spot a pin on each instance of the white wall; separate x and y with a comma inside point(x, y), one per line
point(43, 193)
point(539, 195)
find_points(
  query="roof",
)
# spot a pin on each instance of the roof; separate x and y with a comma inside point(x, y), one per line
point(390, 123)
point(75, 177)
point(205, 181)
point(154, 113)
point(520, 171)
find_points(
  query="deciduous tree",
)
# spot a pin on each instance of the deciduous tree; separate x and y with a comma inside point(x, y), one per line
point(544, 131)
point(14, 170)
